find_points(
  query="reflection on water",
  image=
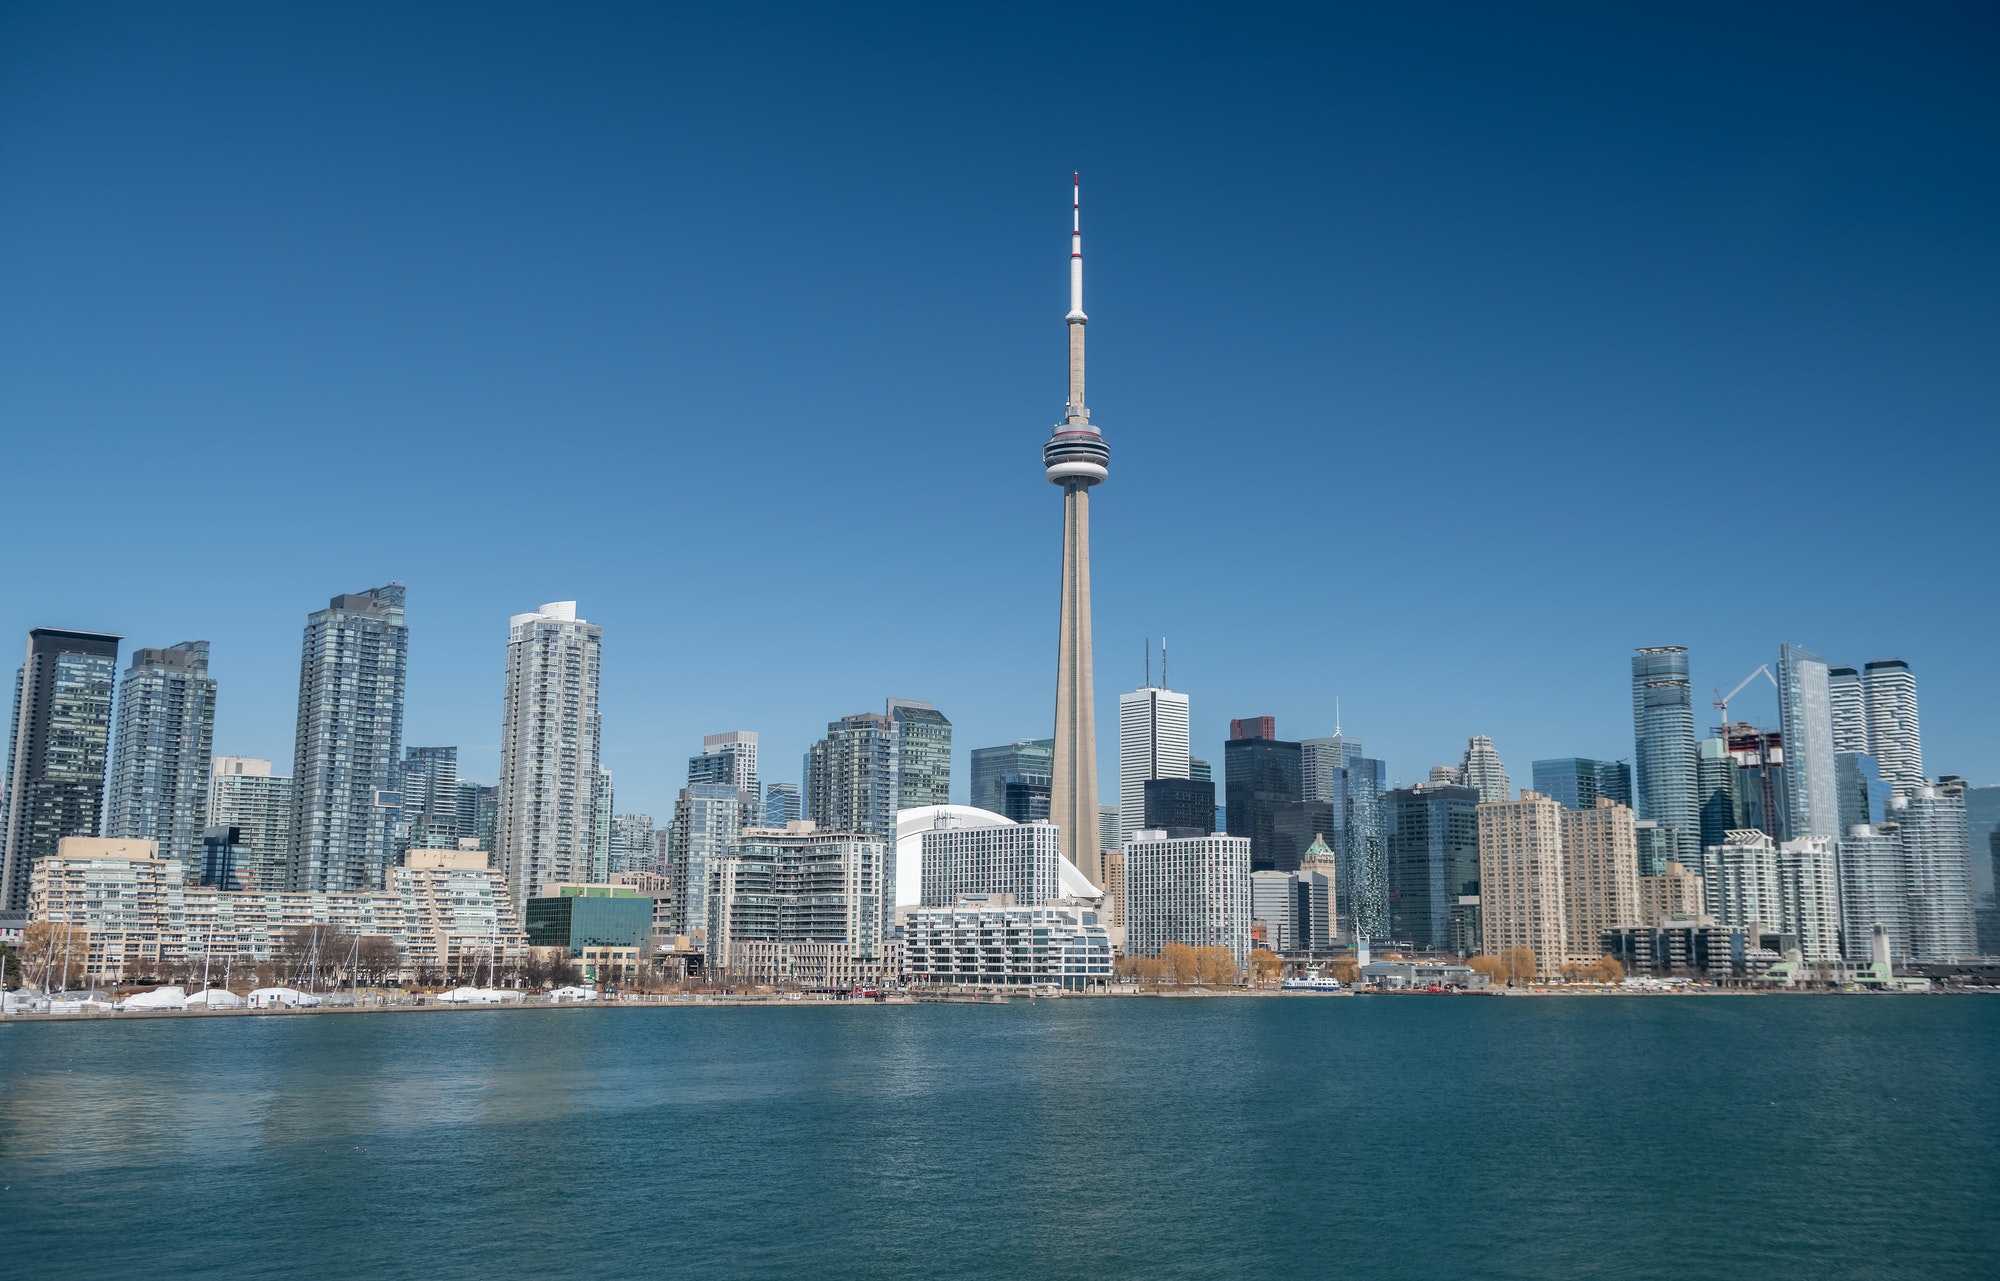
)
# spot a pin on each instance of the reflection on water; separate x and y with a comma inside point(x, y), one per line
point(1663, 1137)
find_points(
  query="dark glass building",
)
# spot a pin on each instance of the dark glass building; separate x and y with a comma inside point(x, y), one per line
point(56, 761)
point(1260, 776)
point(992, 766)
point(1024, 798)
point(1431, 852)
point(1575, 782)
point(591, 916)
point(1180, 807)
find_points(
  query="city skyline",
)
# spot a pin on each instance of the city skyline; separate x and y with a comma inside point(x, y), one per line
point(1300, 250)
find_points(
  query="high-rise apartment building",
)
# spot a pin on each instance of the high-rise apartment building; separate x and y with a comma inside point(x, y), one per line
point(1862, 792)
point(1761, 799)
point(1848, 709)
point(1481, 770)
point(479, 815)
point(1107, 828)
point(1805, 718)
point(1152, 743)
point(1791, 887)
point(550, 737)
point(160, 751)
point(1930, 823)
point(57, 756)
point(1430, 837)
point(993, 767)
point(1874, 890)
point(1889, 695)
point(1664, 750)
point(730, 759)
point(1715, 778)
point(709, 820)
point(802, 907)
point(245, 795)
point(633, 844)
point(851, 781)
point(349, 741)
point(1521, 879)
point(603, 803)
point(1362, 853)
point(923, 753)
point(1600, 873)
point(429, 792)
point(781, 804)
point(1194, 891)
point(1575, 782)
point(1021, 859)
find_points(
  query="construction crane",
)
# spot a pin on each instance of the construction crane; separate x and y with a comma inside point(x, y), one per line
point(1722, 699)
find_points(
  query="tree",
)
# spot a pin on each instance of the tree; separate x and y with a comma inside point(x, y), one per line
point(377, 959)
point(54, 955)
point(1492, 967)
point(1606, 969)
point(1216, 966)
point(311, 956)
point(1522, 964)
point(1265, 966)
point(1347, 970)
point(1181, 964)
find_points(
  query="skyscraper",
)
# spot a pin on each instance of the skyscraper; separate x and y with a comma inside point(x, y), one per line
point(781, 804)
point(56, 758)
point(429, 791)
point(1850, 718)
point(603, 801)
point(1805, 718)
point(1076, 458)
point(1715, 790)
point(1575, 782)
point(1180, 807)
point(1889, 696)
point(1152, 743)
point(708, 824)
point(1930, 823)
point(549, 740)
point(245, 795)
point(633, 843)
point(1874, 889)
point(1362, 853)
point(1664, 750)
point(1481, 770)
point(729, 758)
point(1600, 875)
point(1322, 769)
point(992, 767)
point(160, 752)
point(851, 783)
point(349, 741)
point(1430, 838)
point(923, 753)
point(1260, 774)
point(1520, 879)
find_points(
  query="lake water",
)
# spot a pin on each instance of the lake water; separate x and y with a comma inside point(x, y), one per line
point(1773, 1137)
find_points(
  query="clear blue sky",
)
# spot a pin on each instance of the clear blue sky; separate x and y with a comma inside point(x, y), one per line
point(1446, 353)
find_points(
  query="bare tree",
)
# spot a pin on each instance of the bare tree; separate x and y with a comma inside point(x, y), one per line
point(377, 959)
point(54, 955)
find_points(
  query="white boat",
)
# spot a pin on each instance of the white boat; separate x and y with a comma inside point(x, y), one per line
point(215, 998)
point(1310, 981)
point(265, 998)
point(479, 996)
point(160, 998)
point(573, 993)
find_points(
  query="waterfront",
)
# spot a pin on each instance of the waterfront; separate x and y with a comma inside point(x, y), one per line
point(1844, 1136)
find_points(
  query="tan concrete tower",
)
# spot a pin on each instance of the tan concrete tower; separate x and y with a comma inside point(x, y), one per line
point(1076, 459)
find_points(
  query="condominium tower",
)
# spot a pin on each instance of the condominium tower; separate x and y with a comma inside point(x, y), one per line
point(923, 753)
point(56, 757)
point(550, 734)
point(349, 742)
point(1664, 749)
point(160, 751)
point(244, 794)
point(1805, 719)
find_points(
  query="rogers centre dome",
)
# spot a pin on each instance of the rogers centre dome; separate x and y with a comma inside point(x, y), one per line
point(911, 824)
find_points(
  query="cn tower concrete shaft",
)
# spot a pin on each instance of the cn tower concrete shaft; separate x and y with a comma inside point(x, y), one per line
point(1076, 458)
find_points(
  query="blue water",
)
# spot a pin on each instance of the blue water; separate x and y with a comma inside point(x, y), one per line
point(1813, 1137)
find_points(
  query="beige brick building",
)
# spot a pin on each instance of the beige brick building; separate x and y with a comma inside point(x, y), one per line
point(1520, 878)
point(1600, 873)
point(1676, 894)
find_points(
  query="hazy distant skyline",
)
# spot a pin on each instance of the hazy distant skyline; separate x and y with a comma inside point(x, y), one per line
point(1445, 356)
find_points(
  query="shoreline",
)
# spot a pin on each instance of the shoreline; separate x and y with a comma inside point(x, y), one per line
point(691, 1002)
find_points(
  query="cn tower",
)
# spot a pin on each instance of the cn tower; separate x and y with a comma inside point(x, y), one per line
point(1075, 459)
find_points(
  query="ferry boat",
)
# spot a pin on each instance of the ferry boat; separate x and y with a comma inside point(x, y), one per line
point(1311, 981)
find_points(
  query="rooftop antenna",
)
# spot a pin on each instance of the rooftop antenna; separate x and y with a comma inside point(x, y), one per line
point(1163, 664)
point(1336, 716)
point(1149, 662)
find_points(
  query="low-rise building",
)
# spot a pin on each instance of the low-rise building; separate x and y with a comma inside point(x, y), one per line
point(987, 941)
point(802, 907)
point(606, 928)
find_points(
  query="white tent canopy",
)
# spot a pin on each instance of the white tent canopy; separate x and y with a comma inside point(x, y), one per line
point(265, 998)
point(215, 998)
point(478, 996)
point(160, 998)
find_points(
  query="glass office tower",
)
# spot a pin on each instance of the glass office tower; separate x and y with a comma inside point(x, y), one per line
point(1664, 747)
